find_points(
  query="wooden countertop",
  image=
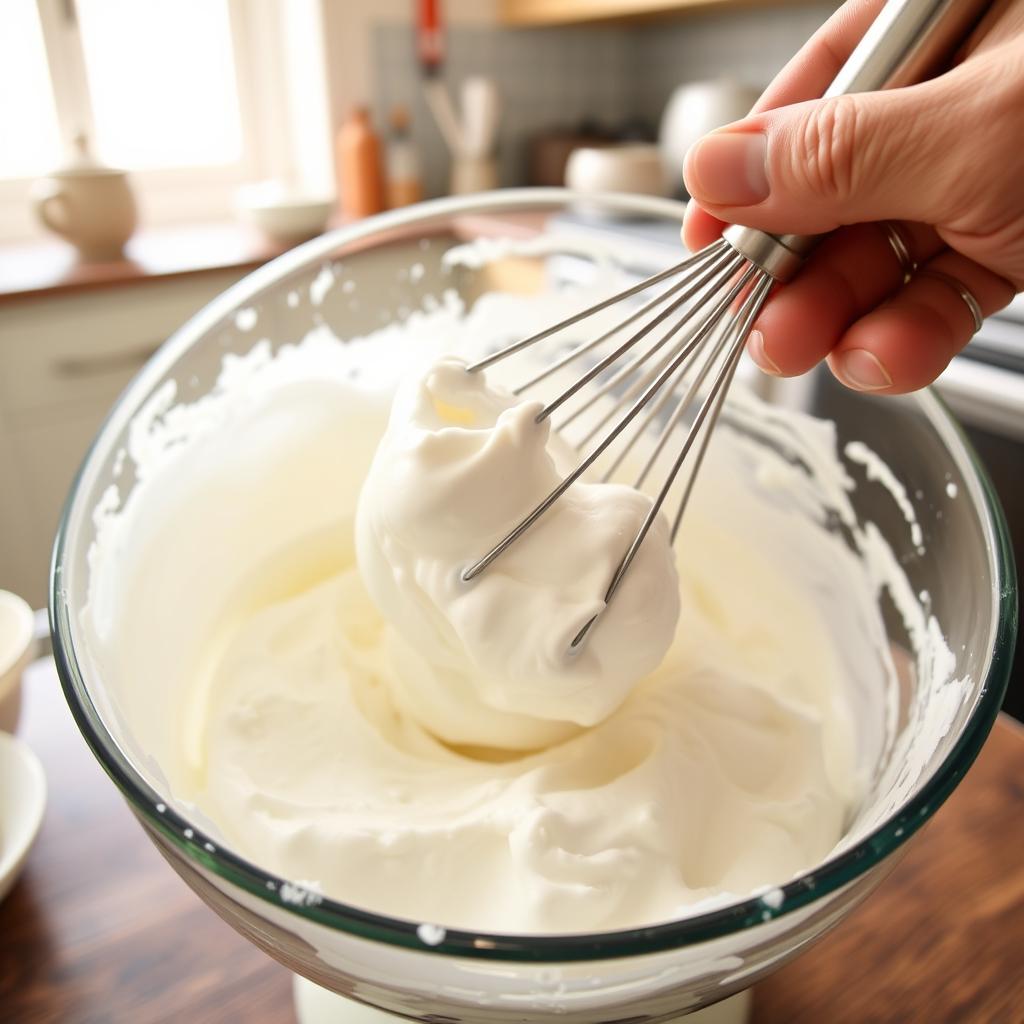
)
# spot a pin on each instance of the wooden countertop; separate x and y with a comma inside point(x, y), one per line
point(36, 270)
point(100, 929)
point(43, 269)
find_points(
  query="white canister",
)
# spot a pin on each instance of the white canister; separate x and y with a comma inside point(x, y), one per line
point(694, 110)
point(632, 167)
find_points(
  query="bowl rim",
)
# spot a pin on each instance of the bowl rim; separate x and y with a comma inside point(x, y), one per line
point(833, 874)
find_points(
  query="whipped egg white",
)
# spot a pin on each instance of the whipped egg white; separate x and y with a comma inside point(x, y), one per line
point(287, 635)
point(490, 662)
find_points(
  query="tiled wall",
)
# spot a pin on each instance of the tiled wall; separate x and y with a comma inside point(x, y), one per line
point(749, 45)
point(546, 77)
point(557, 77)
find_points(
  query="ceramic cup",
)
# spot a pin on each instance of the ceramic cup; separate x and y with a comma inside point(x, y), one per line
point(93, 208)
point(473, 174)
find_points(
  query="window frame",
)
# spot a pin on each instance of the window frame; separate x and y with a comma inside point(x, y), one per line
point(260, 36)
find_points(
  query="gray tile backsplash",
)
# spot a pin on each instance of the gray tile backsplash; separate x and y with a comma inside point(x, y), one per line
point(547, 78)
point(749, 45)
point(556, 77)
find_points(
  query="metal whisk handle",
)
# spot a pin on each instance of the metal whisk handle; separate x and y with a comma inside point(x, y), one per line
point(908, 42)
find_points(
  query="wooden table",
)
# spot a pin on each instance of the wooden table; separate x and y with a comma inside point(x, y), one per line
point(99, 930)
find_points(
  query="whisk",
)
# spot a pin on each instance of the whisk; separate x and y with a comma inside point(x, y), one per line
point(706, 314)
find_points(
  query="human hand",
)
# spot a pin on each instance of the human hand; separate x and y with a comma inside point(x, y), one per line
point(941, 164)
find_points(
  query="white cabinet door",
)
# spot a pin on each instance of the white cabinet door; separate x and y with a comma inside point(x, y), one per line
point(63, 362)
point(47, 455)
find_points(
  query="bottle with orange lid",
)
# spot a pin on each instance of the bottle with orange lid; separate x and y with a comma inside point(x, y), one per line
point(361, 184)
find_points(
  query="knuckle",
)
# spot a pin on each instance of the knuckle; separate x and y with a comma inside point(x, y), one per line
point(825, 155)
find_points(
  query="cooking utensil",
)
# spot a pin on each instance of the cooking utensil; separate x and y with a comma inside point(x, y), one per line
point(709, 312)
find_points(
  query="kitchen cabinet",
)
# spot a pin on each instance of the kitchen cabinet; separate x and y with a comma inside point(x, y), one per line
point(564, 12)
point(64, 358)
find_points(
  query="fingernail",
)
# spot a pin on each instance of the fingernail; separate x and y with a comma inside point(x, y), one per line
point(755, 346)
point(862, 370)
point(730, 168)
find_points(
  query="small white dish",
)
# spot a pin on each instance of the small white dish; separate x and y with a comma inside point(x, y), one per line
point(17, 649)
point(22, 802)
point(281, 214)
point(633, 167)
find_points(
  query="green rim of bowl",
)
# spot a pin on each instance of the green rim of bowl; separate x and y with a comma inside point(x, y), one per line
point(206, 853)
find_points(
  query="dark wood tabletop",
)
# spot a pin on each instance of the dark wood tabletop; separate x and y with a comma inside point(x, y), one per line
point(99, 930)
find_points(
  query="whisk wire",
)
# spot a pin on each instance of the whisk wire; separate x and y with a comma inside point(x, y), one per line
point(720, 390)
point(599, 367)
point(588, 346)
point(711, 407)
point(693, 388)
point(679, 357)
point(691, 348)
point(696, 259)
point(724, 266)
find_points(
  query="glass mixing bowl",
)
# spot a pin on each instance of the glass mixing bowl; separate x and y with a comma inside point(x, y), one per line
point(416, 968)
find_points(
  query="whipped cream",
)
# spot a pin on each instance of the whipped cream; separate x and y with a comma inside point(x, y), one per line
point(710, 779)
point(490, 662)
point(284, 714)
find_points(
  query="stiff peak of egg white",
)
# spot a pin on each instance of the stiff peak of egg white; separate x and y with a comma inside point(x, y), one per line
point(488, 662)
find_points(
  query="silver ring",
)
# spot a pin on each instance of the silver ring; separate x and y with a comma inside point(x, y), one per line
point(961, 289)
point(900, 248)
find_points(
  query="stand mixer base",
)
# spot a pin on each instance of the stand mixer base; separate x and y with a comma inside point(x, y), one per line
point(316, 1005)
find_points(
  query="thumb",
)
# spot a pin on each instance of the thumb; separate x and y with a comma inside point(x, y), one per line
point(810, 167)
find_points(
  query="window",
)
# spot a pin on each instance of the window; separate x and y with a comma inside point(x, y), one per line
point(29, 140)
point(170, 98)
point(194, 97)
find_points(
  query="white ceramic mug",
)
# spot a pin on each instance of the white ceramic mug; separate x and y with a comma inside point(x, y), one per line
point(17, 649)
point(91, 207)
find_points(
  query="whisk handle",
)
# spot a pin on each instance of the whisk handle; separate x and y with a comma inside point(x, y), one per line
point(908, 42)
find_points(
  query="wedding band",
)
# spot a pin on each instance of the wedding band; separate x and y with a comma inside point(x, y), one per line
point(961, 289)
point(900, 248)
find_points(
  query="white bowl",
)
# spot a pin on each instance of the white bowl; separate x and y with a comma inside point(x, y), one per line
point(17, 647)
point(635, 168)
point(282, 215)
point(22, 801)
